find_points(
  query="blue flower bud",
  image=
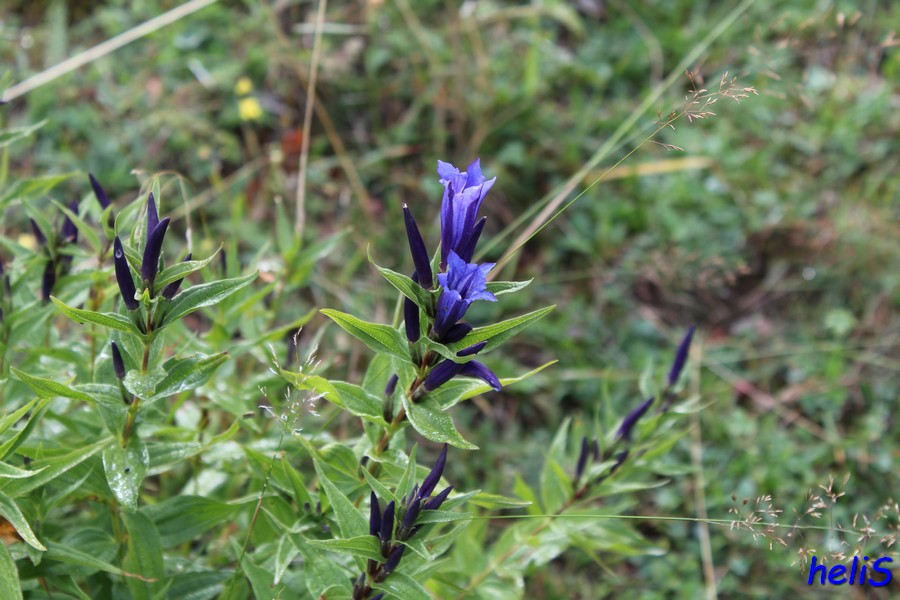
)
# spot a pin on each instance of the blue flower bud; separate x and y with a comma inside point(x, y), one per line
point(681, 356)
point(99, 192)
point(431, 481)
point(421, 260)
point(374, 515)
point(434, 503)
point(170, 290)
point(48, 280)
point(632, 418)
point(152, 215)
point(118, 363)
point(394, 559)
point(582, 459)
point(152, 251)
point(123, 276)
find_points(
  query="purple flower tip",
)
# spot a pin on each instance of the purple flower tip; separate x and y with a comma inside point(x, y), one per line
point(123, 276)
point(99, 192)
point(118, 363)
point(152, 251)
point(421, 260)
point(632, 418)
point(681, 356)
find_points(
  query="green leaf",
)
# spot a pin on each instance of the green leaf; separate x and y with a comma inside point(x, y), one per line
point(11, 472)
point(87, 231)
point(11, 512)
point(182, 270)
point(498, 288)
point(379, 488)
point(108, 320)
point(363, 546)
point(423, 298)
point(125, 470)
point(47, 388)
point(180, 519)
point(14, 134)
point(524, 491)
point(9, 576)
point(36, 408)
point(198, 585)
point(201, 296)
point(456, 390)
point(322, 574)
point(359, 402)
point(428, 419)
point(400, 585)
point(67, 554)
point(34, 187)
point(496, 501)
point(55, 467)
point(379, 338)
point(556, 486)
point(498, 333)
point(187, 373)
point(144, 557)
point(351, 522)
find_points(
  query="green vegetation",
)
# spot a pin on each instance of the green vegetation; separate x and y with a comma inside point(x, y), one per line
point(769, 223)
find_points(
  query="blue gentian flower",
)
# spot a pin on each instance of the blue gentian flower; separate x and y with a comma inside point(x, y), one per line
point(462, 284)
point(463, 194)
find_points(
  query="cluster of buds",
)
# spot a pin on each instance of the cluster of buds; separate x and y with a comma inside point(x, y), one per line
point(461, 282)
point(394, 526)
point(52, 243)
point(591, 450)
point(150, 263)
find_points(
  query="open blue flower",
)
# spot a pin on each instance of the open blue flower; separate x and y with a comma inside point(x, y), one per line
point(462, 284)
point(463, 194)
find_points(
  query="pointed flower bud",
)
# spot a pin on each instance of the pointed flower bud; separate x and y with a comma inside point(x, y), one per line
point(99, 192)
point(472, 350)
point(431, 481)
point(435, 502)
point(467, 244)
point(152, 215)
point(386, 531)
point(394, 559)
point(441, 374)
point(170, 290)
point(374, 515)
point(123, 276)
point(152, 251)
point(38, 234)
point(480, 371)
point(118, 363)
point(69, 233)
point(681, 356)
point(582, 459)
point(632, 418)
point(391, 385)
point(456, 333)
point(417, 248)
point(48, 280)
point(411, 317)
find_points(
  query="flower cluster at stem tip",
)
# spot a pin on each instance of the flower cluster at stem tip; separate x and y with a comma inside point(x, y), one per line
point(461, 282)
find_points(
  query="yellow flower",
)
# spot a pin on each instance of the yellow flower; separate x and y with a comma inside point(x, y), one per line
point(243, 86)
point(249, 109)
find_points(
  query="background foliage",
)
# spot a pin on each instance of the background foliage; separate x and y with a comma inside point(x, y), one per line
point(773, 231)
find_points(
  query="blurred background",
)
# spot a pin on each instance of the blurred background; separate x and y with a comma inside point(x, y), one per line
point(772, 225)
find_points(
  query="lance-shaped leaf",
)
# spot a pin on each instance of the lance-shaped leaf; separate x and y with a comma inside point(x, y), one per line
point(379, 338)
point(427, 418)
point(110, 320)
point(203, 295)
point(182, 269)
point(11, 512)
point(123, 276)
point(498, 333)
point(152, 252)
